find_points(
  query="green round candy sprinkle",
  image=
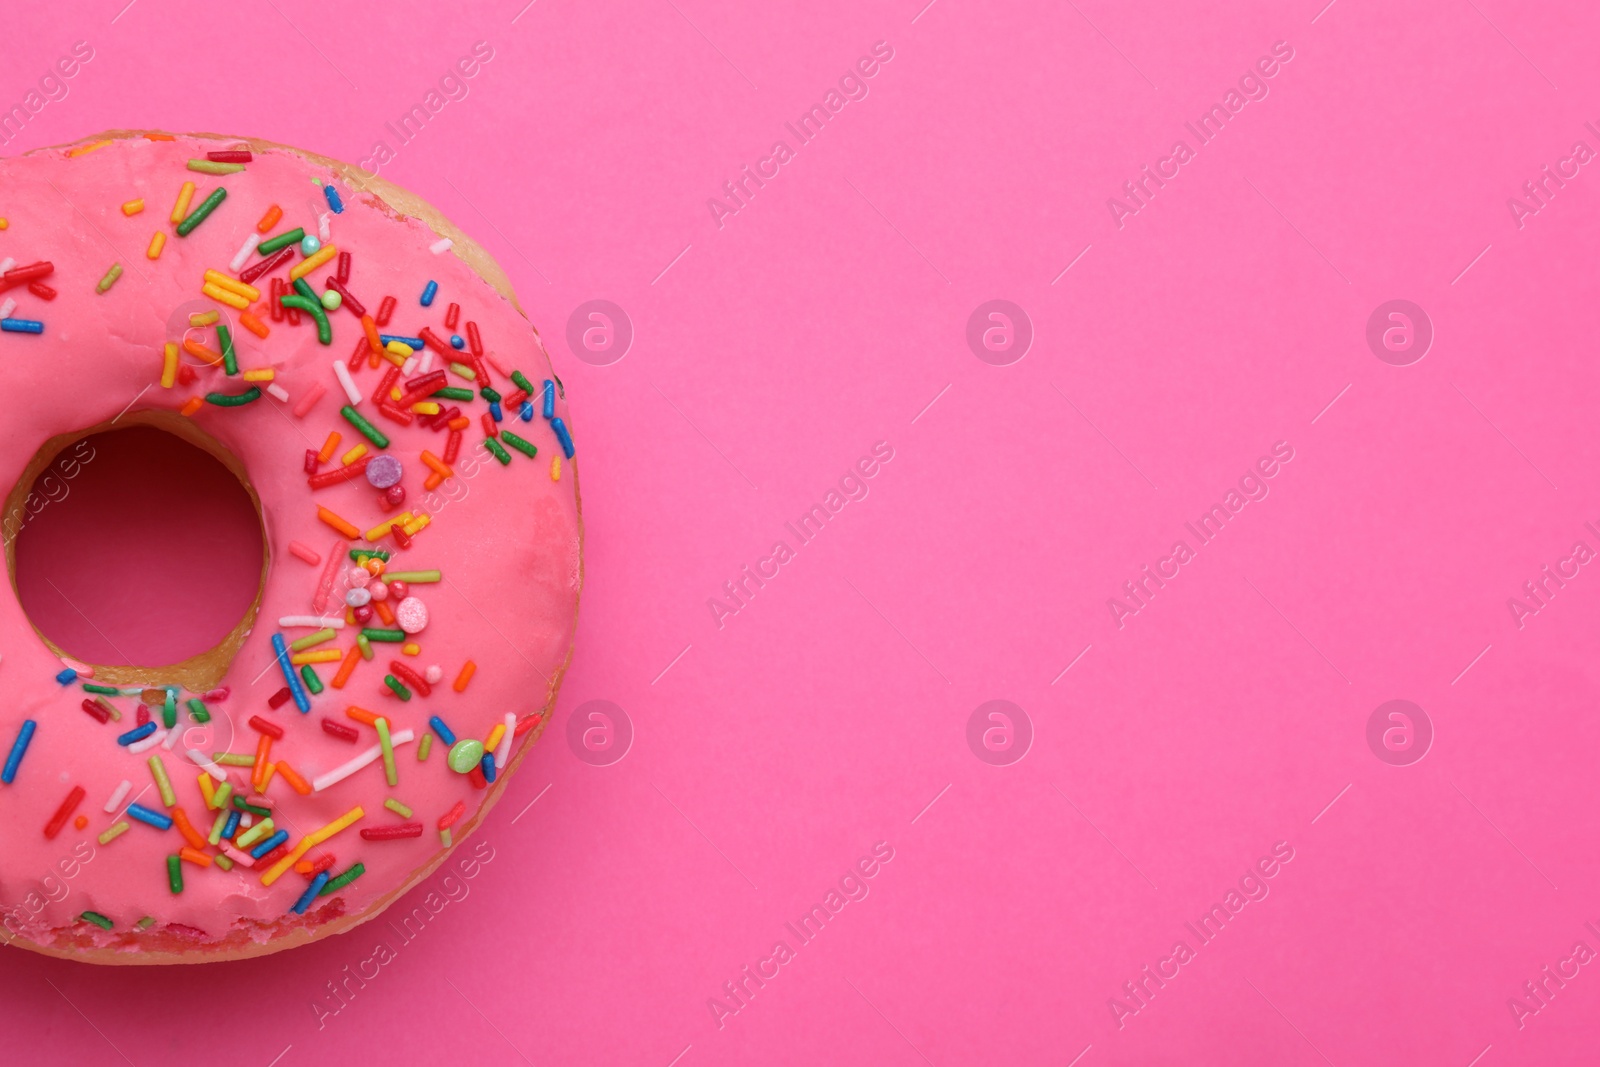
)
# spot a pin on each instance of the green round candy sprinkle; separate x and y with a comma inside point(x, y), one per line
point(465, 755)
point(331, 300)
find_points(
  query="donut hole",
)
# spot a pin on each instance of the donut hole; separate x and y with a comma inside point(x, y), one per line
point(138, 550)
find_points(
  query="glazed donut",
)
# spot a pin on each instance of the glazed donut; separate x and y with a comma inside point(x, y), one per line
point(363, 369)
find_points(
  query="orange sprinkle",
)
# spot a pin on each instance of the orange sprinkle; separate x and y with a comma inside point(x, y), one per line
point(85, 149)
point(158, 241)
point(200, 351)
point(181, 208)
point(186, 828)
point(194, 856)
point(192, 405)
point(266, 777)
point(468, 669)
point(329, 517)
point(436, 463)
point(460, 422)
point(159, 137)
point(290, 775)
point(329, 446)
point(348, 667)
point(270, 219)
point(80, 822)
point(253, 324)
point(263, 750)
point(132, 207)
point(373, 340)
point(361, 715)
point(434, 481)
point(385, 612)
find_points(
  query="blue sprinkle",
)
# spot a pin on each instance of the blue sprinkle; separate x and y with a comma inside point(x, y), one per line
point(494, 410)
point(415, 343)
point(149, 817)
point(442, 730)
point(269, 844)
point(563, 436)
point(527, 411)
point(549, 400)
point(428, 292)
point(231, 827)
point(311, 893)
point(335, 202)
point(297, 690)
point(21, 326)
point(67, 677)
point(456, 341)
point(138, 733)
point(18, 748)
point(487, 766)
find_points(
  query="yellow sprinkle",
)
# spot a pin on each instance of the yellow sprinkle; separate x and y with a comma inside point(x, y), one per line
point(4, 223)
point(158, 240)
point(133, 207)
point(399, 348)
point(381, 530)
point(312, 262)
point(343, 822)
point(353, 455)
point(85, 149)
point(217, 278)
point(411, 648)
point(180, 210)
point(275, 872)
point(495, 735)
point(203, 318)
point(223, 296)
point(207, 792)
point(266, 374)
point(116, 829)
point(416, 524)
point(169, 368)
point(325, 655)
point(266, 777)
point(555, 468)
point(426, 407)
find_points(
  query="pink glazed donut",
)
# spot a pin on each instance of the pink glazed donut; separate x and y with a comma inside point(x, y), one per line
point(363, 369)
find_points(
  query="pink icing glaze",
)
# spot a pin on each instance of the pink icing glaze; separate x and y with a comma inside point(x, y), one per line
point(506, 539)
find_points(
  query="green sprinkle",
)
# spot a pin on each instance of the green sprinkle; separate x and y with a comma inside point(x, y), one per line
point(198, 711)
point(398, 808)
point(175, 874)
point(211, 166)
point(490, 394)
point(395, 685)
point(451, 392)
point(219, 798)
point(109, 279)
point(412, 577)
point(389, 772)
point(499, 453)
point(244, 805)
point(259, 832)
point(359, 554)
point(424, 747)
point(313, 307)
point(169, 710)
point(369, 431)
point(236, 400)
point(146, 923)
point(230, 361)
point(215, 836)
point(233, 759)
point(104, 690)
point(272, 244)
point(461, 370)
point(445, 837)
point(309, 676)
point(303, 287)
point(302, 643)
point(222, 861)
point(365, 646)
point(99, 920)
point(372, 634)
point(199, 214)
point(336, 884)
point(527, 448)
point(158, 771)
point(522, 382)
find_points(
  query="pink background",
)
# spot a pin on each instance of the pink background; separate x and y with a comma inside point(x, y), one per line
point(831, 712)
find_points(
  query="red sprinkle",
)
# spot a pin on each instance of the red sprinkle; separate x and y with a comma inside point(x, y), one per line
point(356, 307)
point(340, 730)
point(452, 447)
point(474, 342)
point(410, 677)
point(390, 833)
point(279, 699)
point(231, 156)
point(452, 316)
point(41, 290)
point(97, 711)
point(448, 819)
point(339, 475)
point(342, 272)
point(271, 263)
point(270, 858)
point(274, 291)
point(271, 729)
point(477, 779)
point(141, 716)
point(489, 428)
point(322, 863)
point(526, 723)
point(385, 309)
point(433, 341)
point(64, 812)
point(313, 461)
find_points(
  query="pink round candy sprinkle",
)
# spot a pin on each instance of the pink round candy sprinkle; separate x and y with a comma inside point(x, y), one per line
point(434, 674)
point(412, 615)
point(379, 591)
point(384, 471)
point(359, 577)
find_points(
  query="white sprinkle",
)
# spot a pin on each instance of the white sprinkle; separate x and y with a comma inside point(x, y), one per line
point(427, 361)
point(315, 622)
point(6, 264)
point(206, 765)
point(503, 750)
point(117, 796)
point(278, 391)
point(237, 262)
point(8, 307)
point(443, 244)
point(322, 227)
point(246, 820)
point(342, 372)
point(345, 770)
point(150, 742)
point(409, 367)
point(172, 739)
